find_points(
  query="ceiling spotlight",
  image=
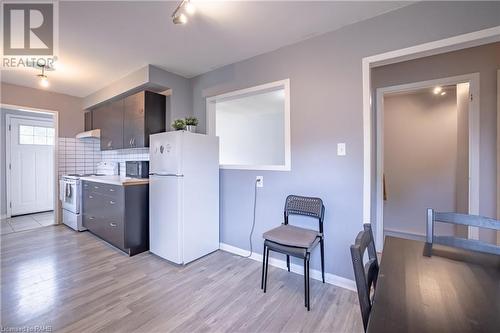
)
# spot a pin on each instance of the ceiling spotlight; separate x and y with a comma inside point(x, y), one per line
point(443, 93)
point(189, 7)
point(180, 19)
point(437, 90)
point(44, 80)
point(179, 16)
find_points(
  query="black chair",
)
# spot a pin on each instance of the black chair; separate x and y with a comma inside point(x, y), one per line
point(461, 219)
point(365, 274)
point(294, 241)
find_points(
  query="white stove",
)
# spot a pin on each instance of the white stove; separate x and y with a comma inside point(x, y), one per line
point(70, 194)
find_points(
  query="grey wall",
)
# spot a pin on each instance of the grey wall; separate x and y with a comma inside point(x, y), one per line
point(3, 114)
point(484, 60)
point(420, 159)
point(69, 107)
point(326, 108)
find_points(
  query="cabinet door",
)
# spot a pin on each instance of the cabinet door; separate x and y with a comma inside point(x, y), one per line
point(91, 212)
point(109, 119)
point(88, 121)
point(133, 129)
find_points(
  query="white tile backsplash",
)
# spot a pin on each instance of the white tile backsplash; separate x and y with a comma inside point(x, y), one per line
point(82, 155)
point(122, 155)
point(78, 156)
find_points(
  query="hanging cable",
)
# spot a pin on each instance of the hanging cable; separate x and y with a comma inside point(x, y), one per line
point(253, 219)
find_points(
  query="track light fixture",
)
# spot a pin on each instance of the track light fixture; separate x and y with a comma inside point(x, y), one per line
point(179, 15)
point(44, 80)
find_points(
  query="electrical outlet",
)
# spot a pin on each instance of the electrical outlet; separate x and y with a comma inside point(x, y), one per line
point(260, 181)
point(341, 150)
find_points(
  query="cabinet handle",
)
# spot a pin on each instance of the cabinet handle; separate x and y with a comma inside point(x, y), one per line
point(112, 202)
point(113, 224)
point(130, 142)
point(91, 218)
point(133, 142)
point(96, 187)
point(91, 197)
point(111, 190)
point(109, 143)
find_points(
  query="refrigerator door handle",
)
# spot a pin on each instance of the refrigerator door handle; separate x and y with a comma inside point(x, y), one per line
point(166, 175)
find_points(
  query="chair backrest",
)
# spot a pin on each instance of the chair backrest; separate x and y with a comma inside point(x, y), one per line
point(306, 206)
point(461, 219)
point(365, 275)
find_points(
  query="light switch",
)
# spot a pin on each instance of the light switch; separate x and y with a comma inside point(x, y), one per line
point(341, 151)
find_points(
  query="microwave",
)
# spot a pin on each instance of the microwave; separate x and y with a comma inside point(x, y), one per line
point(137, 169)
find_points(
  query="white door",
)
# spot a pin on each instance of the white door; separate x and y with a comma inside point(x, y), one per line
point(165, 217)
point(31, 169)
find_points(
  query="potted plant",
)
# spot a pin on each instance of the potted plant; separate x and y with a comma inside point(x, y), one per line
point(179, 125)
point(191, 123)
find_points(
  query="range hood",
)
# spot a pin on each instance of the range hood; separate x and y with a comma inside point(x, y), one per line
point(95, 133)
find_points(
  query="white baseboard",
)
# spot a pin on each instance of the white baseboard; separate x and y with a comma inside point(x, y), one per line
point(315, 274)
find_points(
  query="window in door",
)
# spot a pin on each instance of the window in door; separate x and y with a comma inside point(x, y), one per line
point(253, 126)
point(36, 135)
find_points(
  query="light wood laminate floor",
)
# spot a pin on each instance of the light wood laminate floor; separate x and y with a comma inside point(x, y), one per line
point(74, 282)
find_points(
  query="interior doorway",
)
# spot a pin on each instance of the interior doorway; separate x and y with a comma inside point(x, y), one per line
point(427, 155)
point(28, 171)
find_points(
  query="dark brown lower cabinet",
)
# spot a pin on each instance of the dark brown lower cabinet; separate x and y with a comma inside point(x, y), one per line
point(118, 214)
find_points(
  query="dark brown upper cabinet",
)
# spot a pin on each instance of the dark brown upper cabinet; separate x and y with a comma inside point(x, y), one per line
point(109, 119)
point(128, 122)
point(145, 114)
point(88, 121)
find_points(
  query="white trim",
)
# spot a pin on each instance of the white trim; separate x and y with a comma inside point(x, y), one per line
point(498, 152)
point(435, 47)
point(55, 118)
point(211, 119)
point(315, 274)
point(474, 149)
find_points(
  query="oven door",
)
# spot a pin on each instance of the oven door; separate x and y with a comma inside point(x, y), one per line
point(70, 195)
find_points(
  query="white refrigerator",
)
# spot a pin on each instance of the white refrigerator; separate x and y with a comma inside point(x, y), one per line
point(183, 195)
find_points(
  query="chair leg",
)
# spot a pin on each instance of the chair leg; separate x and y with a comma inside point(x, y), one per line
point(308, 290)
point(305, 283)
point(288, 262)
point(263, 267)
point(266, 267)
point(322, 246)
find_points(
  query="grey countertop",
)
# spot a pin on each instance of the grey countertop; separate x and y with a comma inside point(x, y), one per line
point(116, 180)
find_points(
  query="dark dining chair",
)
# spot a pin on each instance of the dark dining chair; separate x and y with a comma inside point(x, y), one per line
point(461, 219)
point(294, 241)
point(365, 274)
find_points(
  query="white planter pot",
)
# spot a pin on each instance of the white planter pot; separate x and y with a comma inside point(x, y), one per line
point(191, 128)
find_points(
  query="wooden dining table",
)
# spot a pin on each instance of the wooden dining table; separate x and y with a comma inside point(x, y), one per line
point(439, 289)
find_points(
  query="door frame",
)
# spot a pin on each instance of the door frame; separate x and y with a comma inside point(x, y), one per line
point(498, 152)
point(474, 148)
point(458, 42)
point(55, 117)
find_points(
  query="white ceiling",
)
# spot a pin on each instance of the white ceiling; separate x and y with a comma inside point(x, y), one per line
point(101, 42)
